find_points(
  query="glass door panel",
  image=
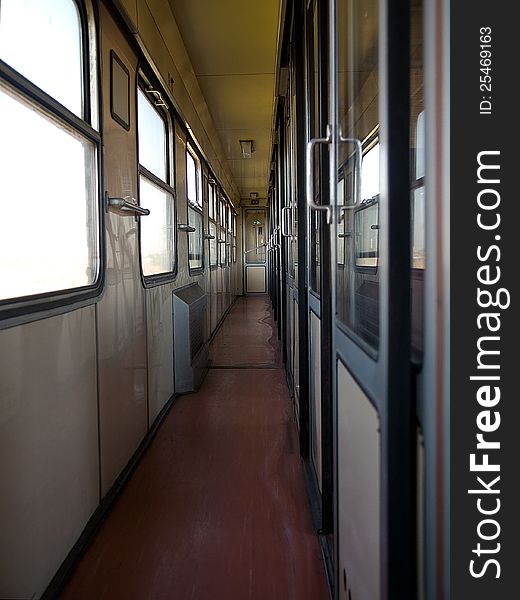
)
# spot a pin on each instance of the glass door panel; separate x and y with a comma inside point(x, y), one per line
point(357, 247)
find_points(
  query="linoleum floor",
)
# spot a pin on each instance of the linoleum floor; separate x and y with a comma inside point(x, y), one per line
point(217, 507)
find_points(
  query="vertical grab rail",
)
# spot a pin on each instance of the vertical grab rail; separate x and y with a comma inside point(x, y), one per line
point(357, 172)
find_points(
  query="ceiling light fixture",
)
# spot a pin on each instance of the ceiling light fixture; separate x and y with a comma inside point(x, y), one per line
point(247, 148)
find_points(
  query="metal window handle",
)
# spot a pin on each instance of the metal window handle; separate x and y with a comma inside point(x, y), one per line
point(208, 236)
point(309, 173)
point(125, 205)
point(357, 171)
point(158, 99)
point(186, 228)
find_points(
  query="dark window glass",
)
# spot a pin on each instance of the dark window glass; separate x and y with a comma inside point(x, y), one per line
point(357, 276)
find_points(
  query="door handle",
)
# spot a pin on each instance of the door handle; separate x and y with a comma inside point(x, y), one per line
point(309, 173)
point(285, 225)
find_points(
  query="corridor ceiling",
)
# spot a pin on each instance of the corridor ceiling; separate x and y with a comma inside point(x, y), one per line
point(232, 46)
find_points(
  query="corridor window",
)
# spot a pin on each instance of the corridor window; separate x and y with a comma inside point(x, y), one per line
point(155, 192)
point(213, 245)
point(234, 243)
point(211, 200)
point(195, 239)
point(230, 218)
point(193, 180)
point(50, 241)
point(195, 220)
point(222, 213)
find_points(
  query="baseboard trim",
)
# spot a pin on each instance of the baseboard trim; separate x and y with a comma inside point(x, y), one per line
point(63, 574)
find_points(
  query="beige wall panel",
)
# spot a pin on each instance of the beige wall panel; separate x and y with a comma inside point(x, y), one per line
point(359, 473)
point(255, 279)
point(48, 446)
point(160, 348)
point(128, 9)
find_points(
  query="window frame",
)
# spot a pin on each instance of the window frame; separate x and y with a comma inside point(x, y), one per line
point(196, 207)
point(27, 308)
point(234, 237)
point(198, 178)
point(212, 190)
point(213, 198)
point(221, 234)
point(212, 265)
point(142, 80)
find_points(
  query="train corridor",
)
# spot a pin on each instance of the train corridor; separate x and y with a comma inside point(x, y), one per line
point(217, 507)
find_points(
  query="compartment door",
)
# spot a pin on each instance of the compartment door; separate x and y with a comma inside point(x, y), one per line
point(121, 312)
point(369, 220)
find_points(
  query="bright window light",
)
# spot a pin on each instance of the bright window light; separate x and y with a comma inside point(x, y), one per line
point(156, 229)
point(48, 191)
point(152, 137)
point(191, 176)
point(370, 174)
point(41, 39)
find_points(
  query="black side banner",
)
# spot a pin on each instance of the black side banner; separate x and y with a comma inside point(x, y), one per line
point(485, 234)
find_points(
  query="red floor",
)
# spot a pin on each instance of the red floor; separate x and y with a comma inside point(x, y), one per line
point(217, 507)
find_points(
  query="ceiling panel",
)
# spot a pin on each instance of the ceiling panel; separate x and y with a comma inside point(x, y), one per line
point(239, 101)
point(232, 47)
point(229, 36)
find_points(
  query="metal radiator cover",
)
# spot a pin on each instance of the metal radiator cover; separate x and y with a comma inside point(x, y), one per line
point(190, 337)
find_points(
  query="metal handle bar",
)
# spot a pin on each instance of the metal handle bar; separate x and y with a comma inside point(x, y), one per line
point(124, 205)
point(285, 225)
point(256, 248)
point(309, 173)
point(357, 170)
